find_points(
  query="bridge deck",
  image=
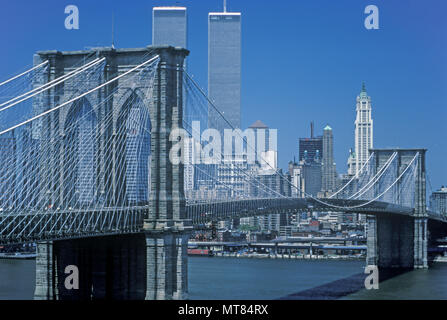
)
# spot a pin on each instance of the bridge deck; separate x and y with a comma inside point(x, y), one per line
point(30, 226)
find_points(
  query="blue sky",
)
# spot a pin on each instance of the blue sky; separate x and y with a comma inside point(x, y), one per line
point(302, 60)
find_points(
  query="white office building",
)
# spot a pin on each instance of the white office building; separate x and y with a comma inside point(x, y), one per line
point(363, 129)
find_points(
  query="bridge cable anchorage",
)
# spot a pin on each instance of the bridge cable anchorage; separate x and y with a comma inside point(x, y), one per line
point(48, 85)
point(355, 176)
point(23, 73)
point(374, 179)
point(79, 97)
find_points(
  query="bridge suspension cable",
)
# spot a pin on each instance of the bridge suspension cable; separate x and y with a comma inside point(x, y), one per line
point(68, 202)
point(24, 73)
point(375, 198)
point(355, 176)
point(371, 182)
point(249, 179)
point(211, 103)
point(28, 95)
point(363, 188)
point(80, 96)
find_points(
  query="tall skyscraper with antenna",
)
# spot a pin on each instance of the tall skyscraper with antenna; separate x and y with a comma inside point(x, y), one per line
point(224, 68)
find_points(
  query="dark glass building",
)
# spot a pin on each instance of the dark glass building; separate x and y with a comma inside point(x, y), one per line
point(311, 149)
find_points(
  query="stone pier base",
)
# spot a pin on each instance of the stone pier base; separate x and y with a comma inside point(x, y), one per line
point(45, 275)
point(371, 233)
point(166, 256)
point(151, 265)
point(111, 267)
point(420, 243)
point(396, 241)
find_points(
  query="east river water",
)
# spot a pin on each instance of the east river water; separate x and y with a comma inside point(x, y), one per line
point(242, 278)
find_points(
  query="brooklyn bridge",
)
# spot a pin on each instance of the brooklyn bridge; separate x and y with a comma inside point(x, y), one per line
point(91, 181)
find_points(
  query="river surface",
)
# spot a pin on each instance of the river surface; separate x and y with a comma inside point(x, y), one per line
point(233, 278)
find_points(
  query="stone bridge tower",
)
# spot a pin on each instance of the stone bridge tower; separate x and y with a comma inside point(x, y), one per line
point(399, 241)
point(156, 256)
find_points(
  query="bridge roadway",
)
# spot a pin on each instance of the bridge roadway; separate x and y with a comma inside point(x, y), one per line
point(30, 226)
point(201, 213)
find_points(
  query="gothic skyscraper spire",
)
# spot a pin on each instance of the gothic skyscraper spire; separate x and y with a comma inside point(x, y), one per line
point(363, 130)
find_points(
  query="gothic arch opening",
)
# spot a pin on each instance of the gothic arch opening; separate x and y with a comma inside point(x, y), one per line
point(80, 154)
point(133, 152)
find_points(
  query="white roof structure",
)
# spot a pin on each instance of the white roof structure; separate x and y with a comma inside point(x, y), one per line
point(169, 8)
point(224, 13)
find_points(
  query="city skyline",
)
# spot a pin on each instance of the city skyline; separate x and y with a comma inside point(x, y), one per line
point(111, 181)
point(402, 78)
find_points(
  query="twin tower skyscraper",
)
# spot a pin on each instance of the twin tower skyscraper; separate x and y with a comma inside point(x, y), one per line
point(169, 27)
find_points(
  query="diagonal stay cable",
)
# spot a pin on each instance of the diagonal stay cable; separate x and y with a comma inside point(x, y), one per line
point(78, 97)
point(23, 73)
point(353, 177)
point(47, 86)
